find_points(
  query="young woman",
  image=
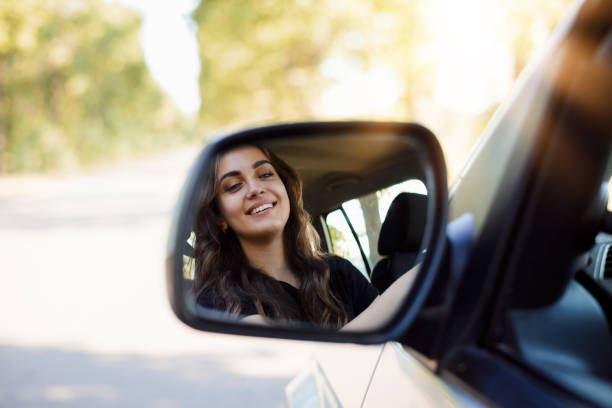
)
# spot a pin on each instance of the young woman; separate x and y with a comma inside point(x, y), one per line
point(257, 252)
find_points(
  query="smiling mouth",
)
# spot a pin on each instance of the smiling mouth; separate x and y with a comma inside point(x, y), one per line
point(261, 208)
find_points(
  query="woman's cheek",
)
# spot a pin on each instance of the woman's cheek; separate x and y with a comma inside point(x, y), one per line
point(227, 207)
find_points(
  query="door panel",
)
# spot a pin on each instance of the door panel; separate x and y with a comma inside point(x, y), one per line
point(400, 380)
point(338, 377)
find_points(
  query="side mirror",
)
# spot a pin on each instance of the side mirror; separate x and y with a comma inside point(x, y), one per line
point(292, 230)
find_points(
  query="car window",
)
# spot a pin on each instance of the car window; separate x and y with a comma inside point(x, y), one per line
point(189, 261)
point(343, 241)
point(354, 227)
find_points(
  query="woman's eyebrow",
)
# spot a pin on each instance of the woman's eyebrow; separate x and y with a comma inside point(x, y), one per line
point(229, 174)
point(237, 173)
point(260, 162)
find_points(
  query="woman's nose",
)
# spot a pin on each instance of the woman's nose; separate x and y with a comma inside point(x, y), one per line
point(255, 188)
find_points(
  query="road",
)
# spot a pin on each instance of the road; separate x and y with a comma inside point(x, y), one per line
point(84, 319)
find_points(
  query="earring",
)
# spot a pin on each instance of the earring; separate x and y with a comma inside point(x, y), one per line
point(224, 227)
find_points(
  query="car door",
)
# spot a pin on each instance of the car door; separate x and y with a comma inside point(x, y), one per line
point(527, 326)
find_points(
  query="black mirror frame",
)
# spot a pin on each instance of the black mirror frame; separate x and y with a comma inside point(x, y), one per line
point(434, 239)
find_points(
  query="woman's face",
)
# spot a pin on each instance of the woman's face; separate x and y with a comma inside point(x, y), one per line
point(251, 196)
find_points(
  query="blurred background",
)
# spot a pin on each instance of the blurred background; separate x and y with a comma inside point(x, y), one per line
point(103, 107)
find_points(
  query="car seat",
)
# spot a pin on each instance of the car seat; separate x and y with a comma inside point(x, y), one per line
point(400, 238)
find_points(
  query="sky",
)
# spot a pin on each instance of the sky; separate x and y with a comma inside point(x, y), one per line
point(170, 48)
point(476, 67)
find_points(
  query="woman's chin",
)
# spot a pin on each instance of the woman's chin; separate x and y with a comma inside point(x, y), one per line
point(261, 235)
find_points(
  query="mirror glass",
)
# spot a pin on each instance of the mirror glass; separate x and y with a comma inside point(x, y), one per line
point(307, 231)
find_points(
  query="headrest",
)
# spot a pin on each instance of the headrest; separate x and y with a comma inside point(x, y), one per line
point(404, 225)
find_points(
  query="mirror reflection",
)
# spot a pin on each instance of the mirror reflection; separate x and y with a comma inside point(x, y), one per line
point(308, 231)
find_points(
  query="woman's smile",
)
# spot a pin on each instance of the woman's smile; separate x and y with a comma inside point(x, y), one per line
point(261, 209)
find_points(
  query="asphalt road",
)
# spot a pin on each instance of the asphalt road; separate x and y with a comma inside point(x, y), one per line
point(84, 319)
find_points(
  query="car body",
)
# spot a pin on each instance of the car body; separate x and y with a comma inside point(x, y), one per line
point(526, 316)
point(530, 324)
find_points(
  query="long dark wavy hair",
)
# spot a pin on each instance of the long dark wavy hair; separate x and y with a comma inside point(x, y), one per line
point(222, 270)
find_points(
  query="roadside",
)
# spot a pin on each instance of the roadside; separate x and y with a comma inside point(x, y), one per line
point(85, 319)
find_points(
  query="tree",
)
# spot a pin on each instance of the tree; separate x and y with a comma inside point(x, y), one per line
point(74, 86)
point(263, 61)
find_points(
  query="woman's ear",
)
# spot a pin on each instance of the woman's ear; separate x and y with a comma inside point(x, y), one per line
point(223, 226)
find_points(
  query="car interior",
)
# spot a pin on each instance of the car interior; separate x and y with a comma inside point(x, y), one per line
point(400, 238)
point(334, 176)
point(570, 340)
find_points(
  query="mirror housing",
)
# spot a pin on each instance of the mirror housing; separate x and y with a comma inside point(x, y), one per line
point(431, 159)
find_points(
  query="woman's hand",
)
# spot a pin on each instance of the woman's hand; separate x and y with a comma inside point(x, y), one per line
point(384, 305)
point(254, 319)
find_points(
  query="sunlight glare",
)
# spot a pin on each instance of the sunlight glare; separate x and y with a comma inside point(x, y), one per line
point(476, 67)
point(170, 49)
point(355, 91)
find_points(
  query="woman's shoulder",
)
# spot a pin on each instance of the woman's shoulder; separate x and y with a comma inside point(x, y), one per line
point(336, 262)
point(341, 266)
point(208, 297)
point(352, 287)
point(342, 271)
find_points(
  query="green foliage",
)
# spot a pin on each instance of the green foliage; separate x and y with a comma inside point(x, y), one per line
point(265, 61)
point(261, 60)
point(74, 87)
point(339, 242)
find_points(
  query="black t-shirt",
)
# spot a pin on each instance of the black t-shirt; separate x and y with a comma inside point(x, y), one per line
point(351, 288)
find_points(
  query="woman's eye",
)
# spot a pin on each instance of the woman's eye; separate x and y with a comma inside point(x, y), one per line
point(232, 187)
point(266, 174)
